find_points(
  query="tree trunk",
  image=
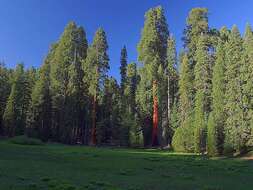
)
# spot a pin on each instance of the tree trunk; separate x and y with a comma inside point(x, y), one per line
point(155, 115)
point(93, 130)
point(169, 111)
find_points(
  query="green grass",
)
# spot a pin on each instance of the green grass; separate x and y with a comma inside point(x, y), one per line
point(59, 167)
point(24, 140)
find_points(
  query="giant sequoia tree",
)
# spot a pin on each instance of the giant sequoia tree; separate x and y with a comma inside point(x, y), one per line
point(95, 67)
point(205, 104)
point(152, 53)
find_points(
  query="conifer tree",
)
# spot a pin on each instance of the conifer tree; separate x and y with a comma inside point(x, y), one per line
point(215, 136)
point(197, 25)
point(95, 68)
point(183, 138)
point(202, 84)
point(15, 110)
point(123, 69)
point(171, 81)
point(152, 53)
point(235, 125)
point(38, 122)
point(5, 87)
point(65, 66)
point(247, 84)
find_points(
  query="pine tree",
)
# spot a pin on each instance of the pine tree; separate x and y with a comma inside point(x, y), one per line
point(215, 136)
point(183, 138)
point(95, 68)
point(129, 118)
point(171, 81)
point(197, 25)
point(152, 53)
point(247, 85)
point(38, 122)
point(65, 68)
point(5, 88)
point(15, 111)
point(202, 84)
point(234, 140)
point(123, 69)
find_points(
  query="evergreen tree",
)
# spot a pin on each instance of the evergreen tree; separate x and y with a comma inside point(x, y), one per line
point(183, 138)
point(123, 69)
point(95, 68)
point(5, 87)
point(171, 81)
point(234, 140)
point(15, 111)
point(202, 84)
point(247, 85)
point(65, 70)
point(129, 118)
point(152, 53)
point(197, 25)
point(38, 122)
point(215, 139)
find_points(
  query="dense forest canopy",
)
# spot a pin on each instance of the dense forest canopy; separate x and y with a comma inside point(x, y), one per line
point(197, 100)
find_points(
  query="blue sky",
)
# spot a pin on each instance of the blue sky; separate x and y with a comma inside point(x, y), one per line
point(28, 27)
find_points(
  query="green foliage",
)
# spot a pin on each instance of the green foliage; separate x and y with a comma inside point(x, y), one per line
point(183, 139)
point(5, 88)
point(197, 25)
point(199, 123)
point(123, 69)
point(247, 85)
point(66, 82)
point(24, 140)
point(17, 104)
point(217, 120)
point(185, 91)
point(235, 125)
point(212, 137)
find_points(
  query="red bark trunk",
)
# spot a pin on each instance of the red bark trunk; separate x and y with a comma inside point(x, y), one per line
point(155, 115)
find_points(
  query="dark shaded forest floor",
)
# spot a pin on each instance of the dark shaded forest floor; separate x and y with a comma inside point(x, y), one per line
point(59, 167)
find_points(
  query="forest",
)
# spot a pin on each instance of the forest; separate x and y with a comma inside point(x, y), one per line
point(195, 100)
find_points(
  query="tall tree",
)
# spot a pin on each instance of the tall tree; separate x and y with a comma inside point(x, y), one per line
point(129, 118)
point(202, 84)
point(171, 89)
point(247, 85)
point(215, 136)
point(183, 137)
point(197, 25)
point(234, 140)
point(5, 88)
point(65, 70)
point(123, 69)
point(38, 121)
point(152, 53)
point(96, 66)
point(15, 111)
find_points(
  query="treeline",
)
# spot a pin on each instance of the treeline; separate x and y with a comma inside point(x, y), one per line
point(200, 100)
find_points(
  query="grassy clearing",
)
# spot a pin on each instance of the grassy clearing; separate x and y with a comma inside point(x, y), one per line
point(59, 167)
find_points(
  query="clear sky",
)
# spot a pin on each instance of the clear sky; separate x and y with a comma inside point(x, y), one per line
point(28, 27)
